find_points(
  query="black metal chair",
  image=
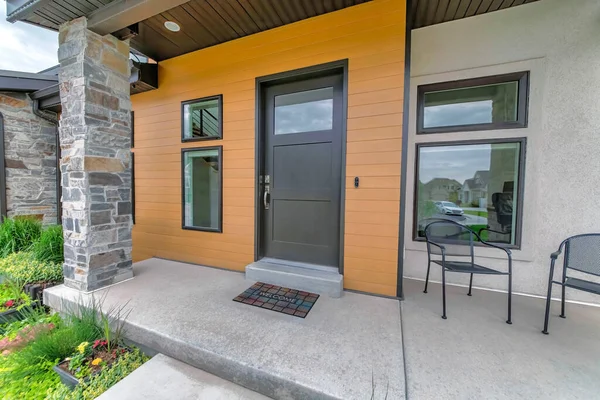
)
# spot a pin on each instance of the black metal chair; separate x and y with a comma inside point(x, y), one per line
point(451, 239)
point(582, 253)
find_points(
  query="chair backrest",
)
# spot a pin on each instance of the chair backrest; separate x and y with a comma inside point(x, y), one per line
point(582, 253)
point(457, 239)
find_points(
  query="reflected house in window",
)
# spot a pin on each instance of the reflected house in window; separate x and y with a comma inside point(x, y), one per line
point(487, 201)
point(474, 191)
point(440, 189)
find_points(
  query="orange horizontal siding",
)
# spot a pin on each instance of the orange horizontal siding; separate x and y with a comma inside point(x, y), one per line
point(371, 37)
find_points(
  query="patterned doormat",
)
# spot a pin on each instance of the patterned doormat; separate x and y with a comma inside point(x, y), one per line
point(277, 298)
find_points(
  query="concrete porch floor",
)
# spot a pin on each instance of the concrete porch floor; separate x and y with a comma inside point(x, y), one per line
point(474, 354)
point(186, 312)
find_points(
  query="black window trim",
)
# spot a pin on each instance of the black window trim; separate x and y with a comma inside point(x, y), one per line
point(132, 129)
point(132, 196)
point(520, 186)
point(522, 102)
point(220, 202)
point(219, 98)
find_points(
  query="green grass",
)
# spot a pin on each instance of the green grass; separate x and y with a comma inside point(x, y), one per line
point(18, 234)
point(49, 247)
point(483, 214)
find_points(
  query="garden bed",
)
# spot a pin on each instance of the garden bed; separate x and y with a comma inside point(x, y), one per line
point(90, 364)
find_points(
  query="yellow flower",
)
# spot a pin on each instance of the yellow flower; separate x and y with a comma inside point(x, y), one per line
point(81, 348)
point(96, 361)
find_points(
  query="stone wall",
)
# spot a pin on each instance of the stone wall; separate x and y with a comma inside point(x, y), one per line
point(30, 158)
point(95, 140)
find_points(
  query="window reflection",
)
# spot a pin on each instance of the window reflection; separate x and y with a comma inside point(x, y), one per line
point(475, 185)
point(486, 104)
point(307, 111)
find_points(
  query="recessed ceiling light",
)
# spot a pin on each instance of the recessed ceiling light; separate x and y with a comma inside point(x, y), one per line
point(172, 26)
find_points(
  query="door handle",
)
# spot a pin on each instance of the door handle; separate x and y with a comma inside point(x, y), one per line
point(266, 198)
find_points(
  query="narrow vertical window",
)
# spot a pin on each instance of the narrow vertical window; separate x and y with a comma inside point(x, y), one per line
point(202, 188)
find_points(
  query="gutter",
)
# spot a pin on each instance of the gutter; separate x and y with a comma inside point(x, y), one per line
point(54, 120)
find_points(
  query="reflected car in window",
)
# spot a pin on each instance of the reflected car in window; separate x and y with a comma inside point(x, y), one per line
point(448, 208)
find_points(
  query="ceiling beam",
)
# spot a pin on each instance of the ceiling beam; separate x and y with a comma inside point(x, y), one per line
point(120, 14)
point(17, 10)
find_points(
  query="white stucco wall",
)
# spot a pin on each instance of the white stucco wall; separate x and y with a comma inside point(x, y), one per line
point(558, 41)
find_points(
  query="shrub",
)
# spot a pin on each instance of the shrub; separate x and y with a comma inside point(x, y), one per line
point(20, 381)
point(23, 267)
point(49, 247)
point(18, 234)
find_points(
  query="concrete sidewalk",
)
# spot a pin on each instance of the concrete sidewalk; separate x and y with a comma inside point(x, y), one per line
point(165, 378)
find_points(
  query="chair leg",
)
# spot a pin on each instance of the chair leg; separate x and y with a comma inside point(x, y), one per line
point(545, 331)
point(562, 303)
point(509, 320)
point(444, 292)
point(470, 285)
point(427, 276)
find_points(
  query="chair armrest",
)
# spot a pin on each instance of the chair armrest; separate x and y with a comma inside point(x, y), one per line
point(492, 230)
point(437, 245)
point(555, 255)
point(507, 251)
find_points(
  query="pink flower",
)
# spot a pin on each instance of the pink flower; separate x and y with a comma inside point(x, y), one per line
point(9, 303)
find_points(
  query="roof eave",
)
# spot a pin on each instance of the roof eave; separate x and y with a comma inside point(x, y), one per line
point(17, 10)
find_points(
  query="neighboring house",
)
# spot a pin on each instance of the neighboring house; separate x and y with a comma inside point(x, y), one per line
point(440, 189)
point(475, 190)
point(296, 133)
point(28, 184)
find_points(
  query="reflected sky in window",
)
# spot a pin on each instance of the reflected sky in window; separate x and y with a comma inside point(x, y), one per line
point(453, 162)
point(304, 111)
point(476, 112)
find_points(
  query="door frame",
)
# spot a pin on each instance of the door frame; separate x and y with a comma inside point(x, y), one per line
point(340, 67)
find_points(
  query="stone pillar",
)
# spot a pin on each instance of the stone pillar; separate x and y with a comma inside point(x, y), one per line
point(95, 142)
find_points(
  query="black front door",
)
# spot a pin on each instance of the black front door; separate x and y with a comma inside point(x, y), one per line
point(302, 177)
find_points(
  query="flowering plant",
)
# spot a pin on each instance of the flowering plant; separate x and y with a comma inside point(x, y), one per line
point(77, 362)
point(100, 344)
point(9, 303)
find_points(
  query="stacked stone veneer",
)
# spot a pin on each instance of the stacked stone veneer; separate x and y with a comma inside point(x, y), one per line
point(95, 141)
point(30, 160)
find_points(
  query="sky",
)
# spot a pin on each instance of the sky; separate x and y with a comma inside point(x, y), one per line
point(24, 47)
point(454, 162)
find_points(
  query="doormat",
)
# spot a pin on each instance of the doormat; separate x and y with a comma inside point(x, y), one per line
point(277, 298)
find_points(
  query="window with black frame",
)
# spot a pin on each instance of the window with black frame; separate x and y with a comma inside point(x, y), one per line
point(493, 102)
point(201, 119)
point(476, 183)
point(202, 188)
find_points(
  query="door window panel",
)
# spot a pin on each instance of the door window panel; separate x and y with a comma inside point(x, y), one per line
point(307, 111)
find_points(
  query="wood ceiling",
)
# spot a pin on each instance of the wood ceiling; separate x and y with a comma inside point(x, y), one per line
point(205, 23)
point(429, 12)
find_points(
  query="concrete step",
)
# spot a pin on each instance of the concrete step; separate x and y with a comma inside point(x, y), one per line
point(316, 279)
point(164, 377)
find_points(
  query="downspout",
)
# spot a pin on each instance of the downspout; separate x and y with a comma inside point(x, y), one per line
point(54, 120)
point(3, 209)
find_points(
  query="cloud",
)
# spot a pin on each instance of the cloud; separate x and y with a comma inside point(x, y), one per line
point(25, 47)
point(475, 112)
